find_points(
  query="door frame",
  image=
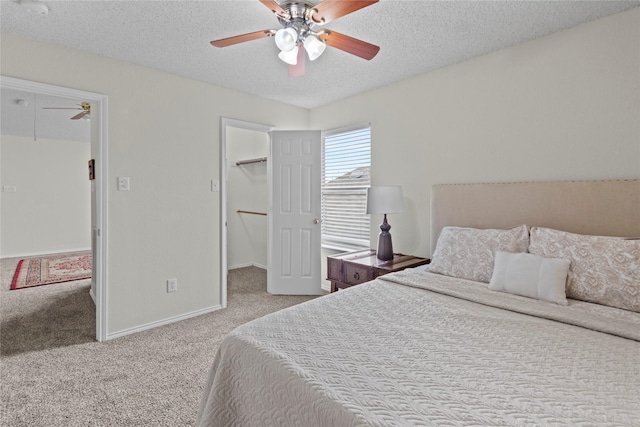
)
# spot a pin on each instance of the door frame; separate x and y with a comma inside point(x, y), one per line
point(99, 120)
point(224, 124)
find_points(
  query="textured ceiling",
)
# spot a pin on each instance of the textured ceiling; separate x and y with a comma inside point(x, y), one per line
point(415, 37)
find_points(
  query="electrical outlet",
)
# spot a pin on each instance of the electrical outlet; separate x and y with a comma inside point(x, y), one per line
point(123, 183)
point(172, 285)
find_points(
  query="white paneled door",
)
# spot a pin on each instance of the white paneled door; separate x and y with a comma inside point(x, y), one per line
point(294, 213)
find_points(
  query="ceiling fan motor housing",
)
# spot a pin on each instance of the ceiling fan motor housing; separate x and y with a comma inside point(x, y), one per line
point(299, 18)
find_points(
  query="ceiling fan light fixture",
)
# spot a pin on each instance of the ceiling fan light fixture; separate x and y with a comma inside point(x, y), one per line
point(286, 39)
point(314, 47)
point(299, 19)
point(290, 57)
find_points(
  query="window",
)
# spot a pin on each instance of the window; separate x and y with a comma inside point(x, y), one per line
point(346, 164)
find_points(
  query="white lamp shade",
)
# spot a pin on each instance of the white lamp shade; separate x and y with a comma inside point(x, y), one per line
point(286, 39)
point(290, 57)
point(385, 200)
point(314, 46)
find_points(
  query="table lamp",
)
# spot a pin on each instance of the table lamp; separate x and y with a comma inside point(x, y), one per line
point(385, 200)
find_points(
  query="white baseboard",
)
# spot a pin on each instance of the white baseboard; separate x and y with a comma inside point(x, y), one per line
point(93, 296)
point(264, 267)
point(234, 267)
point(162, 322)
point(27, 255)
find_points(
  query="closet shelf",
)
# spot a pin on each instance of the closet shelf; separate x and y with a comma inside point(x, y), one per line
point(246, 162)
point(251, 212)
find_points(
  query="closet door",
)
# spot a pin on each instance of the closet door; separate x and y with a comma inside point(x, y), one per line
point(294, 213)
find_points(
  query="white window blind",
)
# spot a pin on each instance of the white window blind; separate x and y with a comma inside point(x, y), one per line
point(346, 165)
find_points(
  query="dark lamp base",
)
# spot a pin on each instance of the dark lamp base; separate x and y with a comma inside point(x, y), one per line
point(385, 247)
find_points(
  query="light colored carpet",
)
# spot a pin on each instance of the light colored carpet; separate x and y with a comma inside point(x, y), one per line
point(54, 373)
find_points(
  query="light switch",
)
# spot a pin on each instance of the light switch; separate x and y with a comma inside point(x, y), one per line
point(215, 185)
point(123, 183)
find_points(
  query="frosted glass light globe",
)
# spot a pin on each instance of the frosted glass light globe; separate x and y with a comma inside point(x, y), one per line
point(286, 39)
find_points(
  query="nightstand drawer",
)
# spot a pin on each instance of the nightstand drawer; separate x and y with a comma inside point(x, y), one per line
point(355, 274)
point(352, 268)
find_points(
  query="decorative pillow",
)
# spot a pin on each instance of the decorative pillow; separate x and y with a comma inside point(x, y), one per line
point(531, 276)
point(468, 253)
point(604, 270)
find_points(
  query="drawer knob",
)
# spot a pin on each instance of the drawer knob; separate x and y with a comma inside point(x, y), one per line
point(356, 275)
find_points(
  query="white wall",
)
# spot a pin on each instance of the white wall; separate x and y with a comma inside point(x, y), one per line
point(563, 107)
point(164, 133)
point(247, 189)
point(51, 210)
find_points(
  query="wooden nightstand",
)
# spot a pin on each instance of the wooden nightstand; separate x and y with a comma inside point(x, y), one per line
point(353, 268)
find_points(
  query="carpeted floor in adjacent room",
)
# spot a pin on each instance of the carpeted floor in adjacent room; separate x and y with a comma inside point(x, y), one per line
point(54, 373)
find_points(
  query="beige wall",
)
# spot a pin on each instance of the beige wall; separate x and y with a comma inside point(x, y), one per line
point(51, 210)
point(563, 107)
point(164, 133)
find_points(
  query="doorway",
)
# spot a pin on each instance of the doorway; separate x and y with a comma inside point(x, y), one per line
point(98, 188)
point(252, 143)
point(247, 198)
point(293, 213)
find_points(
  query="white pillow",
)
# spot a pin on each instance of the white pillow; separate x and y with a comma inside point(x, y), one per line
point(604, 270)
point(467, 253)
point(531, 276)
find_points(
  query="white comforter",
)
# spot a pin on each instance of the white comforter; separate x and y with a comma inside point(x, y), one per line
point(398, 351)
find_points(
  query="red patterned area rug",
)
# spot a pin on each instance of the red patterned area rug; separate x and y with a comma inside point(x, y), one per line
point(51, 269)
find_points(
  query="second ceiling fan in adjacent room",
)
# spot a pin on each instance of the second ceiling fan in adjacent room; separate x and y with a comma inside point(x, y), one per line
point(84, 107)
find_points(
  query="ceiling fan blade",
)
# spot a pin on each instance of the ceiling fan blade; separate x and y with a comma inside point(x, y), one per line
point(275, 8)
point(61, 108)
point(79, 115)
point(298, 69)
point(329, 10)
point(243, 38)
point(349, 44)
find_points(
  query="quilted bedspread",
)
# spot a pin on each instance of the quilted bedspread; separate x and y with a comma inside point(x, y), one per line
point(414, 348)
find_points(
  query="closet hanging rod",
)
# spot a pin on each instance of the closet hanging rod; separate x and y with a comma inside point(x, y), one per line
point(246, 162)
point(251, 212)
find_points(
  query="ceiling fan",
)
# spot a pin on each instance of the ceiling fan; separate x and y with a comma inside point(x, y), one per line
point(302, 22)
point(85, 108)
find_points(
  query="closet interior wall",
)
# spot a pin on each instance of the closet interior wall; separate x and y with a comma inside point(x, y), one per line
point(247, 190)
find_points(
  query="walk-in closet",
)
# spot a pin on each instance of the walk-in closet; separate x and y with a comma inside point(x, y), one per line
point(247, 197)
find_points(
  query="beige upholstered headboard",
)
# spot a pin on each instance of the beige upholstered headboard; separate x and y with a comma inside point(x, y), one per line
point(605, 208)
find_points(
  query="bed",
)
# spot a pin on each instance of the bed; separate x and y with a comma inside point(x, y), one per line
point(437, 346)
